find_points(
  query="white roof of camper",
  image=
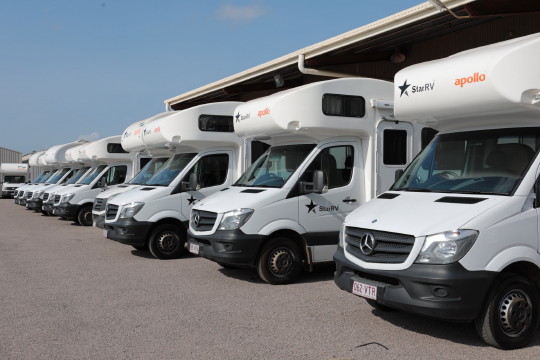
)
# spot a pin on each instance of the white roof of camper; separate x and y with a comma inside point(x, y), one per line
point(299, 111)
point(33, 160)
point(132, 139)
point(13, 169)
point(57, 154)
point(501, 78)
point(180, 129)
point(73, 154)
point(97, 151)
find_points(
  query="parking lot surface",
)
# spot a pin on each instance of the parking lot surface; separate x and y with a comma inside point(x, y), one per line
point(66, 292)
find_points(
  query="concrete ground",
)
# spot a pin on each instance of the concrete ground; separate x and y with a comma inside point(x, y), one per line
point(66, 292)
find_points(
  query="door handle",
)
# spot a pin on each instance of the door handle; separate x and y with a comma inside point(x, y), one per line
point(349, 200)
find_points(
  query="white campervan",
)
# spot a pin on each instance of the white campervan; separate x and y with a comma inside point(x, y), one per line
point(132, 141)
point(75, 160)
point(54, 156)
point(111, 165)
point(36, 160)
point(209, 157)
point(11, 177)
point(457, 236)
point(334, 145)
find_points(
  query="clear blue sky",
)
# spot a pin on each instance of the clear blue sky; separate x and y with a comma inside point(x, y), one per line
point(73, 69)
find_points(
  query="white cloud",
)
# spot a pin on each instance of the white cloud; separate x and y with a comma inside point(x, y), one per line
point(90, 137)
point(240, 14)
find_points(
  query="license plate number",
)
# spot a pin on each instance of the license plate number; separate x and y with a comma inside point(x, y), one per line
point(364, 290)
point(194, 249)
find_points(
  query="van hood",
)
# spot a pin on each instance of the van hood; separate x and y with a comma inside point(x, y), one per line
point(238, 197)
point(140, 194)
point(421, 214)
point(116, 189)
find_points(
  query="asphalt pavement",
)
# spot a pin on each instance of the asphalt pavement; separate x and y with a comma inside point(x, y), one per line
point(67, 292)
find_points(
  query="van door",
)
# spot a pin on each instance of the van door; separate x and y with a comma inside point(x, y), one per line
point(322, 214)
point(394, 152)
point(214, 173)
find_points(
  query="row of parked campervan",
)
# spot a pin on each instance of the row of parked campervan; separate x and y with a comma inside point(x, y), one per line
point(325, 172)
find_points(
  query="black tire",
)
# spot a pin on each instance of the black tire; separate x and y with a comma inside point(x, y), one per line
point(166, 242)
point(280, 261)
point(379, 306)
point(84, 216)
point(509, 319)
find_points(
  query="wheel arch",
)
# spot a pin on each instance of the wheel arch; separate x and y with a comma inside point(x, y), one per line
point(170, 221)
point(296, 238)
point(525, 269)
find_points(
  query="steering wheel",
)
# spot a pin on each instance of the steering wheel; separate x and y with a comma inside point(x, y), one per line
point(448, 174)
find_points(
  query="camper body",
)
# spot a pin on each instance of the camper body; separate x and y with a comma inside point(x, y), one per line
point(326, 158)
point(54, 157)
point(457, 236)
point(132, 141)
point(208, 157)
point(11, 177)
point(111, 165)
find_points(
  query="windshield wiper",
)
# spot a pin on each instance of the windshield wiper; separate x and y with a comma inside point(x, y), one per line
point(413, 190)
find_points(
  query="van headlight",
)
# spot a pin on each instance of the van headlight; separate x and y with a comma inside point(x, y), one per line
point(235, 219)
point(130, 210)
point(446, 247)
point(66, 198)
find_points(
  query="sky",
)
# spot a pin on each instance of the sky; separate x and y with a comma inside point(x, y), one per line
point(87, 69)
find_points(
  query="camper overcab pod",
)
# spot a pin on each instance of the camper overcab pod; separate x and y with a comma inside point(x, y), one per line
point(331, 151)
point(36, 160)
point(81, 165)
point(111, 165)
point(55, 157)
point(457, 235)
point(208, 157)
point(11, 177)
point(32, 162)
point(132, 141)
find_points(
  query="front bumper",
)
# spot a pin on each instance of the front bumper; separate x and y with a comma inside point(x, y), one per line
point(34, 204)
point(442, 291)
point(99, 220)
point(8, 193)
point(49, 207)
point(66, 211)
point(231, 247)
point(128, 231)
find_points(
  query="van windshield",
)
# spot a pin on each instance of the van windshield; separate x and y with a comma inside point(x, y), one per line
point(78, 175)
point(170, 170)
point(45, 177)
point(274, 167)
point(148, 171)
point(40, 176)
point(58, 175)
point(473, 162)
point(17, 179)
point(94, 173)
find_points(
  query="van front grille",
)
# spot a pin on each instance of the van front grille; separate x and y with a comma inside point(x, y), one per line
point(378, 246)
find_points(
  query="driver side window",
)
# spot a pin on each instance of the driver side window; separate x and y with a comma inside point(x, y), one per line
point(211, 170)
point(337, 164)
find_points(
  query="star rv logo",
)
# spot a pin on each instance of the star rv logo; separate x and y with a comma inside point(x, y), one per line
point(415, 88)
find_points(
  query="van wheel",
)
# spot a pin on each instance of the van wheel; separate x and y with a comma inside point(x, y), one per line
point(510, 316)
point(166, 242)
point(84, 216)
point(280, 261)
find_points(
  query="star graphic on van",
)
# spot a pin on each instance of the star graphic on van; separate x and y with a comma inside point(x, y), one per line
point(237, 117)
point(404, 88)
point(311, 206)
point(191, 200)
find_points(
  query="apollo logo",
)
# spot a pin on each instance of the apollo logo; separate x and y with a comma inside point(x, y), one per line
point(261, 113)
point(476, 77)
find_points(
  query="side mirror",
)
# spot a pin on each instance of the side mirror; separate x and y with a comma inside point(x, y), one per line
point(192, 184)
point(101, 182)
point(317, 186)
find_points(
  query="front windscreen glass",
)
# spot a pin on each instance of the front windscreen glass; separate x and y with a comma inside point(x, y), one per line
point(79, 174)
point(45, 177)
point(473, 162)
point(148, 171)
point(40, 176)
point(275, 166)
point(170, 170)
point(58, 175)
point(93, 174)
